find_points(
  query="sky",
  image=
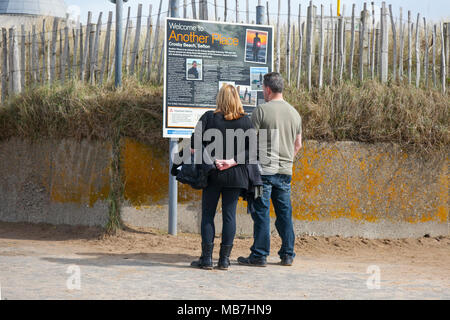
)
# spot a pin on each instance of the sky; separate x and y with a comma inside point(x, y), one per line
point(433, 10)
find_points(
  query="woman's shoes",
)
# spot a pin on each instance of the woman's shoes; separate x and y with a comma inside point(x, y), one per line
point(205, 261)
point(224, 257)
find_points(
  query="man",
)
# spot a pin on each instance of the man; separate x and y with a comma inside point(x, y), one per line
point(256, 47)
point(193, 72)
point(284, 125)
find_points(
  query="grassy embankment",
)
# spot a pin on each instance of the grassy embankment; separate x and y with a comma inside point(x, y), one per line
point(416, 119)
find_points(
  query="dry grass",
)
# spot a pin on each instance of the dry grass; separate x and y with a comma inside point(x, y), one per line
point(81, 111)
point(417, 119)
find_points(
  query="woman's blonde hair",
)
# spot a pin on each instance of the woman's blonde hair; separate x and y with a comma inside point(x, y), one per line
point(229, 103)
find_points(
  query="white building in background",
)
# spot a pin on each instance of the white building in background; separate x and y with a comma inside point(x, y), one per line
point(27, 12)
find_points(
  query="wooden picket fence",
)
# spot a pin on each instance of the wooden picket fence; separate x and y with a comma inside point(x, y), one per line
point(312, 50)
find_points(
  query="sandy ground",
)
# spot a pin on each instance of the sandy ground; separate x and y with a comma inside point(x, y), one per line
point(325, 267)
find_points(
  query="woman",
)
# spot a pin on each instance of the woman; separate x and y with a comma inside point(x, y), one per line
point(230, 180)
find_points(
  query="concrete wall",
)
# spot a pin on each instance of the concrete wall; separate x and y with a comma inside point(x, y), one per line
point(344, 188)
point(57, 182)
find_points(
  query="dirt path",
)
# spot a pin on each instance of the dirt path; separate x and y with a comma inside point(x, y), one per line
point(36, 262)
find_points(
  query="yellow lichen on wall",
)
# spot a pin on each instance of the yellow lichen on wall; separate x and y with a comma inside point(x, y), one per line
point(442, 209)
point(329, 182)
point(145, 175)
point(66, 189)
point(74, 174)
point(362, 186)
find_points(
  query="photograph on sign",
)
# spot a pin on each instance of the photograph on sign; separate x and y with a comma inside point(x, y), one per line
point(256, 46)
point(257, 77)
point(248, 97)
point(194, 69)
point(201, 56)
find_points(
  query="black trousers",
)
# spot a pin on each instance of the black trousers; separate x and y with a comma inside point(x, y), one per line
point(210, 199)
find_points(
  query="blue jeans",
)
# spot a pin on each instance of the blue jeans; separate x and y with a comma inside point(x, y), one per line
point(278, 188)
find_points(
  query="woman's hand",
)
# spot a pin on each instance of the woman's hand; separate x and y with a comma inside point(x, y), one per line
point(225, 164)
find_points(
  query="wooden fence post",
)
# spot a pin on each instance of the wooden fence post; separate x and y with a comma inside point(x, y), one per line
point(98, 31)
point(321, 49)
point(62, 68)
point(5, 71)
point(425, 57)
point(216, 14)
point(300, 46)
point(418, 51)
point(91, 53)
point(205, 10)
point(34, 55)
point(106, 48)
point(53, 50)
point(341, 43)
point(194, 10)
point(443, 67)
point(384, 45)
point(225, 10)
point(373, 48)
point(200, 10)
point(44, 55)
point(288, 45)
point(14, 63)
point(29, 66)
point(148, 67)
point(146, 50)
point(294, 48)
point(434, 56)
point(137, 37)
point(22, 55)
point(362, 30)
point(328, 44)
point(394, 48)
point(352, 44)
point(65, 55)
point(409, 47)
point(156, 40)
point(81, 50)
point(76, 35)
point(278, 38)
point(309, 44)
point(401, 49)
point(247, 13)
point(86, 46)
point(128, 48)
point(333, 38)
point(160, 63)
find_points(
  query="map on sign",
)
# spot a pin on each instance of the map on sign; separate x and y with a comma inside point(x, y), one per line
point(201, 56)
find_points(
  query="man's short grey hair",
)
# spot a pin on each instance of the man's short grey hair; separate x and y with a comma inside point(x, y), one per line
point(274, 81)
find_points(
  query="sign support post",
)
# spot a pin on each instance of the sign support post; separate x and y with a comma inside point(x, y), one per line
point(119, 52)
point(173, 147)
point(259, 13)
